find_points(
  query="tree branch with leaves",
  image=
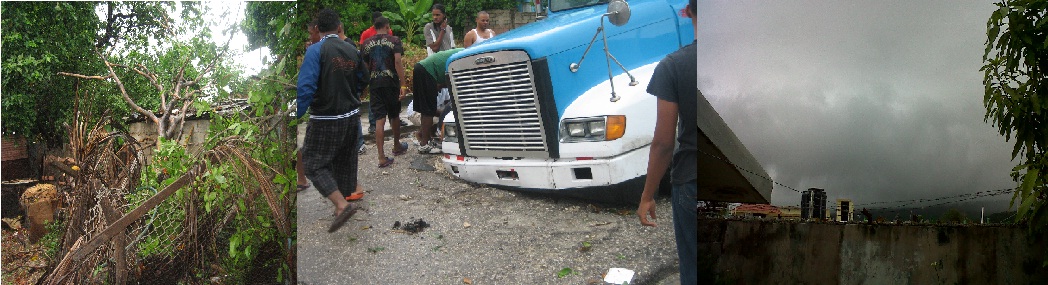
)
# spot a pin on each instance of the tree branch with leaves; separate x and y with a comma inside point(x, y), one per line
point(1016, 99)
point(171, 77)
point(174, 102)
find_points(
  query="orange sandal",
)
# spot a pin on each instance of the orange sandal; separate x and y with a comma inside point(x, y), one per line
point(355, 196)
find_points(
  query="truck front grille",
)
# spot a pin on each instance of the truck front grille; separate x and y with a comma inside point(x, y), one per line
point(497, 105)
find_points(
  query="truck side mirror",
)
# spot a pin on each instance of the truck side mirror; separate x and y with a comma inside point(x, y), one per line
point(618, 12)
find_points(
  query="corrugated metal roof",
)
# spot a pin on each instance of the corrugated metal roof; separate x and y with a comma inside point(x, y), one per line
point(758, 209)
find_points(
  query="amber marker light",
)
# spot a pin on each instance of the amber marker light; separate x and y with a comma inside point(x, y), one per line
point(615, 127)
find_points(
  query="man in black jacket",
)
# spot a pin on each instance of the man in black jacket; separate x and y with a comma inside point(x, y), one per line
point(325, 87)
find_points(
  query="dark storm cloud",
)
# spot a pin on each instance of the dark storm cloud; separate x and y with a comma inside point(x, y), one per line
point(870, 100)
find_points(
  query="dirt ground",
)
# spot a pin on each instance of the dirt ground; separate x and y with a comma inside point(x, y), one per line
point(475, 235)
point(23, 262)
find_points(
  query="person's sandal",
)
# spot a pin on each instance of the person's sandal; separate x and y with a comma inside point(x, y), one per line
point(355, 196)
point(403, 149)
point(303, 187)
point(342, 218)
point(389, 161)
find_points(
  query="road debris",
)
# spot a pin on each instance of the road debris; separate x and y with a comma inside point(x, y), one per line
point(594, 208)
point(586, 246)
point(601, 224)
point(565, 272)
point(412, 227)
point(619, 276)
point(421, 163)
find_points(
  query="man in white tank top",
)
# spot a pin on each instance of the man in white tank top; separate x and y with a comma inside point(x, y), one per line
point(481, 33)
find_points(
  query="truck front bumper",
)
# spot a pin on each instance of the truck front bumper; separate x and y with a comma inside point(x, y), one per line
point(549, 174)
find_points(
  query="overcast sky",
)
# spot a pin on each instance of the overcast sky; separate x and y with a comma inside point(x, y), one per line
point(221, 15)
point(224, 14)
point(870, 100)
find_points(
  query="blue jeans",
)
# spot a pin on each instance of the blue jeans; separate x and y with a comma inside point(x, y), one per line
point(685, 226)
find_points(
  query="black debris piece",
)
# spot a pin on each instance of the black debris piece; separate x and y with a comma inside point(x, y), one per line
point(412, 227)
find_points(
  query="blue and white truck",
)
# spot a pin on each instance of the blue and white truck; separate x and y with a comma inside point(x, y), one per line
point(535, 109)
point(561, 104)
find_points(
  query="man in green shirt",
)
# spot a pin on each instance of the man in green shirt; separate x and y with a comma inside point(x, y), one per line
point(429, 78)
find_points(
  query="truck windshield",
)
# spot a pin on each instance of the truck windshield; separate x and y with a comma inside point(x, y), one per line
point(559, 5)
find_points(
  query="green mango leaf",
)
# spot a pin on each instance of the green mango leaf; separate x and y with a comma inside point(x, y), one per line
point(1025, 206)
point(281, 179)
point(286, 29)
point(234, 242)
point(565, 272)
point(1029, 180)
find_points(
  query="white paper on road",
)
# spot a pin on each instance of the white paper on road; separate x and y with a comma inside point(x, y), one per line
point(619, 276)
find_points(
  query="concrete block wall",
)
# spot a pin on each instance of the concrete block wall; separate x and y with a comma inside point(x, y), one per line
point(505, 20)
point(767, 252)
point(193, 135)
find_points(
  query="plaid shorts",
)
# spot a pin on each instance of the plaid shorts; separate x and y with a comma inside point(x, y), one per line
point(330, 154)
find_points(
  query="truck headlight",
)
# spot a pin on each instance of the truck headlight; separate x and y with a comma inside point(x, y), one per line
point(603, 128)
point(596, 128)
point(576, 129)
point(450, 131)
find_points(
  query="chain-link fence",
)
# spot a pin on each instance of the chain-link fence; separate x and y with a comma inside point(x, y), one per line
point(121, 227)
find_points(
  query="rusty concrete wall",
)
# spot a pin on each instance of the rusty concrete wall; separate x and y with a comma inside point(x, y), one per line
point(777, 252)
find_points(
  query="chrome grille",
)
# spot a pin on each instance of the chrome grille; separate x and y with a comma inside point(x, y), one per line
point(498, 105)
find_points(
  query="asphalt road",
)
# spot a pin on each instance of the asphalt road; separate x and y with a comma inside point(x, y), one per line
point(476, 234)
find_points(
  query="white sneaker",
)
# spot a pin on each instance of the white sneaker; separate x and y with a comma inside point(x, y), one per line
point(430, 148)
point(434, 147)
point(425, 149)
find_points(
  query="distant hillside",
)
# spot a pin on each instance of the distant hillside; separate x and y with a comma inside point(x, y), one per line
point(971, 209)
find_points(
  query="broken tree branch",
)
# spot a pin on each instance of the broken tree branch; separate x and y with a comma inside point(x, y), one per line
point(85, 76)
point(123, 91)
point(152, 80)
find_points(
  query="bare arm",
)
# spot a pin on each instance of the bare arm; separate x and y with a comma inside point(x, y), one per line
point(659, 158)
point(397, 58)
point(435, 45)
point(471, 37)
